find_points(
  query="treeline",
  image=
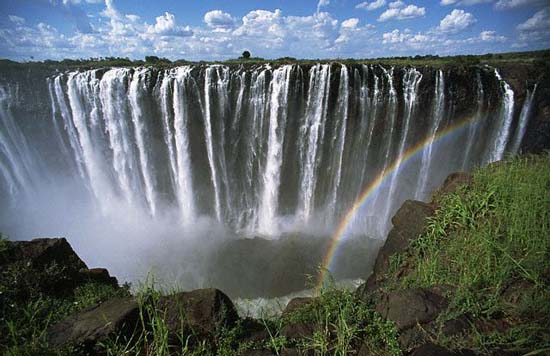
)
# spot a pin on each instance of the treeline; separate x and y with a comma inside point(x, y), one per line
point(542, 57)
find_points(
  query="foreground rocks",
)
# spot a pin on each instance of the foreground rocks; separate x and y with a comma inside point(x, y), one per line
point(49, 266)
point(113, 317)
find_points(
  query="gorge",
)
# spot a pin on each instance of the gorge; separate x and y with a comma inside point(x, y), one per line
point(143, 167)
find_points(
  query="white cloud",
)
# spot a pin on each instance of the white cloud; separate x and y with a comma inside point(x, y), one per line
point(406, 39)
point(218, 19)
point(539, 21)
point(399, 11)
point(16, 19)
point(491, 36)
point(322, 3)
point(133, 18)
point(396, 4)
point(350, 23)
point(464, 2)
point(511, 4)
point(456, 21)
point(166, 25)
point(370, 6)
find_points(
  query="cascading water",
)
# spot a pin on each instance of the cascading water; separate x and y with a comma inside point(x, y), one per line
point(437, 117)
point(523, 120)
point(278, 94)
point(500, 138)
point(258, 150)
point(411, 80)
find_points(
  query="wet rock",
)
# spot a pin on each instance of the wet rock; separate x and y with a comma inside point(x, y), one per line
point(296, 304)
point(409, 222)
point(299, 330)
point(456, 326)
point(408, 307)
point(115, 316)
point(44, 252)
point(201, 312)
point(412, 337)
point(254, 331)
point(262, 352)
point(453, 181)
point(432, 350)
point(99, 275)
point(296, 352)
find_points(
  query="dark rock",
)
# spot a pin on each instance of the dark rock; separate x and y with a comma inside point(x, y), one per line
point(253, 331)
point(432, 350)
point(299, 330)
point(204, 311)
point(99, 275)
point(262, 352)
point(43, 252)
point(411, 306)
point(412, 337)
point(116, 316)
point(408, 223)
point(296, 304)
point(456, 326)
point(453, 181)
point(364, 350)
point(296, 352)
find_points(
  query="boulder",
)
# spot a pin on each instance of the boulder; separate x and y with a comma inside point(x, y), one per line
point(99, 275)
point(409, 222)
point(296, 304)
point(260, 352)
point(453, 181)
point(113, 317)
point(201, 312)
point(408, 307)
point(44, 252)
point(299, 330)
point(431, 349)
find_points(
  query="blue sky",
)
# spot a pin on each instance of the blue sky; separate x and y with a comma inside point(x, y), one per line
point(215, 29)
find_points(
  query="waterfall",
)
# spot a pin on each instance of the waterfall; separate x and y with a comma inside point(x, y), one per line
point(80, 87)
point(272, 172)
point(506, 116)
point(311, 136)
point(473, 125)
point(523, 120)
point(209, 140)
point(115, 106)
point(437, 117)
point(182, 162)
point(339, 137)
point(411, 80)
point(389, 125)
point(16, 166)
point(135, 96)
point(257, 149)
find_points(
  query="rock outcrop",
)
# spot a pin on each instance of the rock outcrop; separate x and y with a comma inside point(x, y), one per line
point(113, 317)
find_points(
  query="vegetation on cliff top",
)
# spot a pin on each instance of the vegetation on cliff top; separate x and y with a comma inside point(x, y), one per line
point(487, 248)
point(534, 57)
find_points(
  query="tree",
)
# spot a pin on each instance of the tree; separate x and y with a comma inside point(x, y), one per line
point(246, 54)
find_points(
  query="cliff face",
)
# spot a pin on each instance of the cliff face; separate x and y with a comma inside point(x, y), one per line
point(254, 145)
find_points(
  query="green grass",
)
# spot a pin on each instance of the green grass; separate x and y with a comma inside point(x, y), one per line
point(484, 240)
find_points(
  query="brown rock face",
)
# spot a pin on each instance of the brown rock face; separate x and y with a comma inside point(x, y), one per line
point(202, 311)
point(96, 323)
point(43, 252)
point(408, 307)
point(409, 222)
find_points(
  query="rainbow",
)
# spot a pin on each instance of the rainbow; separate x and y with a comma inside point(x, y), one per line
point(372, 187)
